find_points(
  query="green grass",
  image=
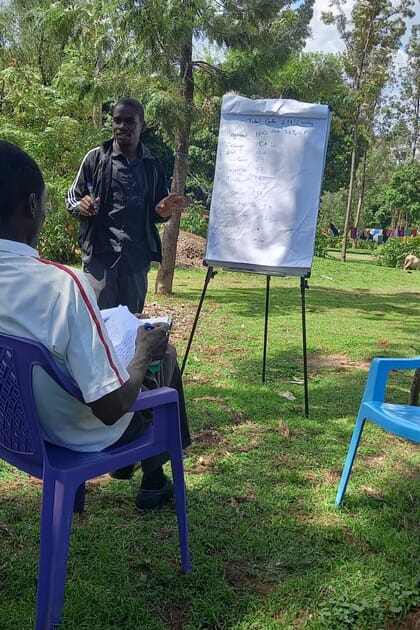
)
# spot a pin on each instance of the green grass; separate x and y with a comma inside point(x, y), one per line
point(269, 550)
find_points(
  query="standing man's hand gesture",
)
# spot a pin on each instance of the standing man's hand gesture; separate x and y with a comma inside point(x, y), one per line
point(88, 206)
point(172, 203)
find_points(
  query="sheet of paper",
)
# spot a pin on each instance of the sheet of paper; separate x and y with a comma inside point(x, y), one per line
point(122, 327)
point(267, 185)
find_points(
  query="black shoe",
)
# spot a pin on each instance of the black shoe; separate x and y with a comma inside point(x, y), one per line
point(124, 473)
point(153, 499)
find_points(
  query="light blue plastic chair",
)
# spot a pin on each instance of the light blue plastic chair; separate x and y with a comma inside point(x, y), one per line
point(403, 420)
point(64, 472)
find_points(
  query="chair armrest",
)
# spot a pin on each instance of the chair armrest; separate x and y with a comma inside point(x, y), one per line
point(154, 398)
point(378, 375)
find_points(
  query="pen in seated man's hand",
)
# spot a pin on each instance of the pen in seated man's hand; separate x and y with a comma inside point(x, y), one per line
point(151, 343)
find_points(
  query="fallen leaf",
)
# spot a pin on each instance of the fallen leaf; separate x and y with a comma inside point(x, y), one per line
point(284, 429)
point(372, 493)
point(297, 381)
point(235, 505)
point(288, 395)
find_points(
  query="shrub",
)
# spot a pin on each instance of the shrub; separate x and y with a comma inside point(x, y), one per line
point(58, 239)
point(321, 244)
point(194, 219)
point(333, 242)
point(394, 251)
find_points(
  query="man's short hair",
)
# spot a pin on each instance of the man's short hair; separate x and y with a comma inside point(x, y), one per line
point(20, 176)
point(134, 103)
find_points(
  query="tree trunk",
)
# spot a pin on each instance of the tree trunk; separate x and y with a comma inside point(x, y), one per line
point(97, 106)
point(97, 115)
point(416, 129)
point(165, 275)
point(351, 187)
point(164, 278)
point(361, 197)
point(357, 83)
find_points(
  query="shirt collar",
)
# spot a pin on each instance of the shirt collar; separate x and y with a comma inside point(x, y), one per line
point(116, 151)
point(15, 247)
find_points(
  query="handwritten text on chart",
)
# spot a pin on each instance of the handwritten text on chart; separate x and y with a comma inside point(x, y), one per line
point(280, 122)
point(268, 177)
point(261, 133)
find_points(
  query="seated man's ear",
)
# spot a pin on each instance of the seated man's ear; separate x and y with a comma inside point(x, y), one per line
point(36, 206)
point(32, 205)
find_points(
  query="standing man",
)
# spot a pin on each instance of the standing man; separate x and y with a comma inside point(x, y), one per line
point(119, 195)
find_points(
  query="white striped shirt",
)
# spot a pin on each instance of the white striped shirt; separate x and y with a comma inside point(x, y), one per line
point(55, 305)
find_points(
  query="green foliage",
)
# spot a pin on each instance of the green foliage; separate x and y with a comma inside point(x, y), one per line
point(319, 78)
point(259, 36)
point(371, 245)
point(394, 251)
point(62, 65)
point(58, 239)
point(380, 166)
point(371, 37)
point(332, 207)
point(344, 611)
point(403, 193)
point(402, 114)
point(321, 244)
point(194, 219)
point(159, 147)
point(334, 242)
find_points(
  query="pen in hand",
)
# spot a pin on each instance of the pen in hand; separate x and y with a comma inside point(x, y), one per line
point(92, 195)
point(149, 326)
point(154, 366)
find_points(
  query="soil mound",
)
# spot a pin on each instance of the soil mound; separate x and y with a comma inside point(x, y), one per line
point(190, 250)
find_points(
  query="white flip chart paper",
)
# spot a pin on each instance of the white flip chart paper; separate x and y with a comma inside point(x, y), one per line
point(269, 167)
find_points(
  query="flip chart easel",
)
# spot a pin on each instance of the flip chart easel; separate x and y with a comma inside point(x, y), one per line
point(303, 285)
point(268, 175)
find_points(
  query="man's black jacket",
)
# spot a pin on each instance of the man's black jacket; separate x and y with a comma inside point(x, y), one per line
point(96, 168)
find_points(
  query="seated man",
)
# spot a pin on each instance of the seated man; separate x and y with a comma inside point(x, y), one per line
point(55, 305)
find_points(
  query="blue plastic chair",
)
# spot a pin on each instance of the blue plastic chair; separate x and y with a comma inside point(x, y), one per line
point(403, 420)
point(64, 472)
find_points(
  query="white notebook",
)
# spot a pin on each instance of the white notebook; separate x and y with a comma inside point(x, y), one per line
point(122, 328)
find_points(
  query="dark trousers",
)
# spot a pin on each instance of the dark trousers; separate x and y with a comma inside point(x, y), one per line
point(142, 419)
point(115, 283)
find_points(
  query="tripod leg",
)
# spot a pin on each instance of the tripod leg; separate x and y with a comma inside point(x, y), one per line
point(267, 300)
point(303, 286)
point(209, 275)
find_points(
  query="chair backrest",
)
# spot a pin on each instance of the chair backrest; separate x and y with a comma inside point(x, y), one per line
point(20, 433)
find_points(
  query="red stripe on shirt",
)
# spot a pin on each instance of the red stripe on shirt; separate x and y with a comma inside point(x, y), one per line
point(91, 311)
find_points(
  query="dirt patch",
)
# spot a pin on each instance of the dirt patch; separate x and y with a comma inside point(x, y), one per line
point(338, 362)
point(190, 255)
point(190, 250)
point(352, 256)
point(174, 614)
point(410, 622)
point(208, 438)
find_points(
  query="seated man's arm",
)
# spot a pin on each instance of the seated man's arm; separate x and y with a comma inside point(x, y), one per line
point(150, 346)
